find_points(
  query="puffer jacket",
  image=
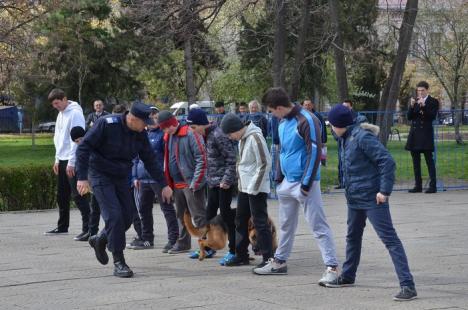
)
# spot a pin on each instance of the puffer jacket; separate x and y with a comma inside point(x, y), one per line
point(367, 166)
point(221, 154)
point(254, 165)
point(190, 154)
point(156, 140)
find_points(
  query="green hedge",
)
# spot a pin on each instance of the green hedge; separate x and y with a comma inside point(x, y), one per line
point(27, 188)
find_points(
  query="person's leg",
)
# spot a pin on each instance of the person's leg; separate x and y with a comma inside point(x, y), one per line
point(146, 212)
point(416, 156)
point(136, 218)
point(315, 216)
point(428, 156)
point(82, 203)
point(382, 222)
point(242, 222)
point(356, 223)
point(213, 202)
point(169, 214)
point(184, 241)
point(288, 212)
point(94, 216)
point(258, 208)
point(228, 215)
point(63, 197)
point(196, 205)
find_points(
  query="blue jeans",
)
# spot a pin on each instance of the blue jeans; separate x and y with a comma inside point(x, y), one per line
point(382, 222)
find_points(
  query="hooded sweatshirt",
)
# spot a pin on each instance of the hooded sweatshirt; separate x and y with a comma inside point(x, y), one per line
point(254, 163)
point(67, 119)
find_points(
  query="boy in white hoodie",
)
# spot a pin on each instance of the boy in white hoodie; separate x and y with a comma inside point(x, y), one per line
point(253, 169)
point(70, 115)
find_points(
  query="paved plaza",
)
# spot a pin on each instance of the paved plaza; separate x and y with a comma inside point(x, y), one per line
point(55, 272)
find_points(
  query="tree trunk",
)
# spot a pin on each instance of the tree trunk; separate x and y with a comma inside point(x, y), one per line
point(391, 89)
point(189, 75)
point(299, 55)
point(280, 44)
point(340, 63)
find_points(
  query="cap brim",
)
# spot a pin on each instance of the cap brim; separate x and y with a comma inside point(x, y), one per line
point(149, 121)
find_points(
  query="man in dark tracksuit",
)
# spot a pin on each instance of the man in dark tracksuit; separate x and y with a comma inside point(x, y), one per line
point(107, 150)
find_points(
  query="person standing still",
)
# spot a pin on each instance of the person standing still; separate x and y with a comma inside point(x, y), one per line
point(422, 112)
point(98, 112)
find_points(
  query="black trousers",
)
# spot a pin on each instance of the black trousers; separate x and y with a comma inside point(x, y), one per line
point(94, 216)
point(428, 155)
point(221, 199)
point(254, 206)
point(66, 188)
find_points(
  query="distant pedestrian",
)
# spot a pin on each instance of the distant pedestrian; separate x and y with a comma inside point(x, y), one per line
point(99, 111)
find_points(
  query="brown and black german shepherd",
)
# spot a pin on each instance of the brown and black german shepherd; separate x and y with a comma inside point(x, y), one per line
point(253, 236)
point(214, 235)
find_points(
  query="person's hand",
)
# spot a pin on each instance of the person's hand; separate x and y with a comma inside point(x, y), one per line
point(167, 194)
point(223, 185)
point(137, 184)
point(412, 102)
point(82, 187)
point(70, 171)
point(55, 168)
point(421, 102)
point(381, 198)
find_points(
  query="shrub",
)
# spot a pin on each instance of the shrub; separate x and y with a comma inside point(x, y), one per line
point(27, 188)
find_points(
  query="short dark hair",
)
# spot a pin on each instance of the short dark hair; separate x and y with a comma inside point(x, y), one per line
point(306, 99)
point(219, 104)
point(275, 97)
point(423, 84)
point(119, 108)
point(56, 93)
point(243, 104)
point(348, 101)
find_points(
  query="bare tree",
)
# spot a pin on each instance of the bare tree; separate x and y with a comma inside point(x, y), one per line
point(442, 45)
point(279, 48)
point(392, 87)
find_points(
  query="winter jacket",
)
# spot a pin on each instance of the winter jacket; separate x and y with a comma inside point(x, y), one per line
point(65, 148)
point(254, 165)
point(323, 126)
point(367, 166)
point(93, 117)
point(421, 134)
point(189, 150)
point(156, 140)
point(300, 139)
point(221, 154)
point(273, 125)
point(260, 121)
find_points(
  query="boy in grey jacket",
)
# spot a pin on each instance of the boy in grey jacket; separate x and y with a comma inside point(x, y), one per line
point(185, 169)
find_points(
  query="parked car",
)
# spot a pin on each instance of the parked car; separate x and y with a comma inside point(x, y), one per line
point(181, 108)
point(46, 127)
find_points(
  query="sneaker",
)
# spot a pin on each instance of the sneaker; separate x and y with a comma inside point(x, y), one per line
point(84, 236)
point(167, 247)
point(195, 254)
point(328, 276)
point(227, 257)
point(176, 249)
point(140, 245)
point(406, 293)
point(56, 231)
point(122, 270)
point(339, 282)
point(272, 267)
point(237, 261)
point(415, 190)
point(208, 254)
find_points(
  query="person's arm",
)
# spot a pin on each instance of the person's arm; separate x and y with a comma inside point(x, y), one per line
point(382, 159)
point(264, 123)
point(310, 132)
point(89, 119)
point(94, 137)
point(229, 154)
point(198, 149)
point(263, 161)
point(431, 108)
point(76, 120)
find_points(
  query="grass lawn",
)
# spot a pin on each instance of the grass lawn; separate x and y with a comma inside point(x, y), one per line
point(452, 159)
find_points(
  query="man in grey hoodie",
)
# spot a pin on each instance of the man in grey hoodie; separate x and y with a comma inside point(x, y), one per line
point(70, 115)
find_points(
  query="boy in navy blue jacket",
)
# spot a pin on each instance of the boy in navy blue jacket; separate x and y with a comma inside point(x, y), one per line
point(369, 173)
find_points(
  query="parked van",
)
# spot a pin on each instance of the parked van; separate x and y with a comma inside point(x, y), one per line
point(181, 108)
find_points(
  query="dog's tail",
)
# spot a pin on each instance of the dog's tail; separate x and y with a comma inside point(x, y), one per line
point(189, 225)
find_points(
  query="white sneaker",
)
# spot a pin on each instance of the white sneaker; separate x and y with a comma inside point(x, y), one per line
point(328, 276)
point(272, 267)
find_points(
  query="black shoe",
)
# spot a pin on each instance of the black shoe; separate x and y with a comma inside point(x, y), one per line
point(406, 293)
point(167, 247)
point(122, 270)
point(415, 190)
point(98, 243)
point(84, 236)
point(237, 261)
point(142, 245)
point(56, 231)
point(340, 282)
point(339, 187)
point(431, 190)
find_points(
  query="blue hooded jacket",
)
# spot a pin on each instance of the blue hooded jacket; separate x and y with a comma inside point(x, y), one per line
point(156, 140)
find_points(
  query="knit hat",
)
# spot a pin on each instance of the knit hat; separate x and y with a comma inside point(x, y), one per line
point(77, 132)
point(166, 120)
point(197, 117)
point(231, 123)
point(340, 116)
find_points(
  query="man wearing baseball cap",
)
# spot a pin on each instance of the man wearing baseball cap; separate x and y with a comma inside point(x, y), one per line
point(106, 152)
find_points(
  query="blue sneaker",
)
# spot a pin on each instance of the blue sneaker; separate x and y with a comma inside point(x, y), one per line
point(228, 257)
point(195, 254)
point(210, 253)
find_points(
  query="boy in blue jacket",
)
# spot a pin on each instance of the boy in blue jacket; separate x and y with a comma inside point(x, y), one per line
point(368, 173)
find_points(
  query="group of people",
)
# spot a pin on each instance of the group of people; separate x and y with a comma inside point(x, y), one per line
point(195, 166)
